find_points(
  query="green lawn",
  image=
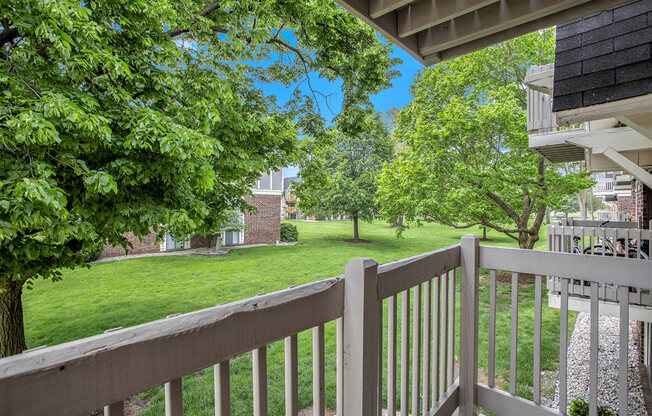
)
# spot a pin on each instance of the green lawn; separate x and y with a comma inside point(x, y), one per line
point(125, 293)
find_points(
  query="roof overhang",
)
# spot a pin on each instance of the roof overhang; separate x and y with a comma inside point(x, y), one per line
point(436, 30)
point(636, 112)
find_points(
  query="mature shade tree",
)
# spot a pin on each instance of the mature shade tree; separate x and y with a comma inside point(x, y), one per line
point(134, 115)
point(340, 172)
point(465, 159)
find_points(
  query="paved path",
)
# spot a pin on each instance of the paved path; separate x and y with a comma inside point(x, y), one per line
point(204, 251)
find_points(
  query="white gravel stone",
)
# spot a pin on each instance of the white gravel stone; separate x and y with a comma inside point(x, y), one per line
point(578, 366)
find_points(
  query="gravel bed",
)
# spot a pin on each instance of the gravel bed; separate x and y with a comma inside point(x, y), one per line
point(578, 366)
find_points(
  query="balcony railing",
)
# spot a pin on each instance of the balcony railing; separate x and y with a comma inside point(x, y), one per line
point(290, 198)
point(603, 186)
point(610, 240)
point(80, 376)
point(291, 210)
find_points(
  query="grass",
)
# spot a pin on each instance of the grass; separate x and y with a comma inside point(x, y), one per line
point(125, 293)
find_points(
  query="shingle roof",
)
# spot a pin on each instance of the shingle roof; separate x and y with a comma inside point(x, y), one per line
point(604, 57)
point(288, 181)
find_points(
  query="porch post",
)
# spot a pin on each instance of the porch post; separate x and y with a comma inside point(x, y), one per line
point(360, 340)
point(470, 282)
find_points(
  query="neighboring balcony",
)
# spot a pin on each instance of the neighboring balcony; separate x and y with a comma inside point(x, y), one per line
point(604, 187)
point(610, 239)
point(290, 198)
point(291, 210)
point(77, 377)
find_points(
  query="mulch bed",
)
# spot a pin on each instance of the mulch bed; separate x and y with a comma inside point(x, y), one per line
point(523, 278)
point(357, 241)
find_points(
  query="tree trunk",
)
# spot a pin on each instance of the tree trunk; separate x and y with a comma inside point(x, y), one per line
point(12, 330)
point(547, 215)
point(526, 240)
point(397, 223)
point(591, 206)
point(355, 227)
point(582, 201)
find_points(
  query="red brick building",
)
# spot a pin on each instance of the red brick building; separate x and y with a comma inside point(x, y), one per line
point(262, 226)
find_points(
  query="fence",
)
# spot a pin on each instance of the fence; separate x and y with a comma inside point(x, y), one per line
point(83, 375)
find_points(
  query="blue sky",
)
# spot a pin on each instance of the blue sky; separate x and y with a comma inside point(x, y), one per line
point(396, 96)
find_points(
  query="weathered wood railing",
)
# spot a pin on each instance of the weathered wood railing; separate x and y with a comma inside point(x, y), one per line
point(80, 376)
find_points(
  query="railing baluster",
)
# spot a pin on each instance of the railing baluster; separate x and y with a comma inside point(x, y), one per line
point(443, 364)
point(115, 409)
point(391, 356)
point(536, 384)
point(593, 353)
point(405, 354)
point(260, 381)
point(623, 364)
point(435, 341)
point(513, 353)
point(638, 244)
point(427, 317)
point(563, 346)
point(339, 394)
point(174, 398)
point(451, 327)
point(318, 406)
point(291, 376)
point(416, 349)
point(491, 376)
point(604, 242)
point(380, 360)
point(222, 383)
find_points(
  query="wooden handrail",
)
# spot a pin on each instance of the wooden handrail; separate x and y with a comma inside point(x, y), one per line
point(86, 374)
point(600, 269)
point(404, 274)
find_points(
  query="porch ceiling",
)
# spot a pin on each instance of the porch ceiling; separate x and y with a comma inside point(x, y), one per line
point(555, 147)
point(436, 30)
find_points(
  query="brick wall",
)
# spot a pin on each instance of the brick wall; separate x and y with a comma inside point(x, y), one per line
point(147, 245)
point(265, 226)
point(643, 197)
point(626, 205)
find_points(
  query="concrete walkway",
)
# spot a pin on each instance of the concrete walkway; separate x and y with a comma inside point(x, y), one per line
point(204, 251)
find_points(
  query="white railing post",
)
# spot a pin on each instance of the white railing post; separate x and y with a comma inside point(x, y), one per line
point(360, 339)
point(469, 284)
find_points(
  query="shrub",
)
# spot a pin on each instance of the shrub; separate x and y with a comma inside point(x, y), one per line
point(580, 407)
point(92, 252)
point(289, 232)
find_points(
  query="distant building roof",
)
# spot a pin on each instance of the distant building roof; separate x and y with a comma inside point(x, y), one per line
point(288, 181)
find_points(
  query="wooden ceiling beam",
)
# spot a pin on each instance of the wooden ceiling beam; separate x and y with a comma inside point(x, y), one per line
point(529, 27)
point(385, 25)
point(378, 8)
point(491, 19)
point(424, 14)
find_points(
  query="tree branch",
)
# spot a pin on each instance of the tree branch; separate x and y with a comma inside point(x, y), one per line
point(299, 54)
point(202, 13)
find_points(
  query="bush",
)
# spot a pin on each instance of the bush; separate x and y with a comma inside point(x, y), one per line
point(580, 407)
point(289, 232)
point(92, 253)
